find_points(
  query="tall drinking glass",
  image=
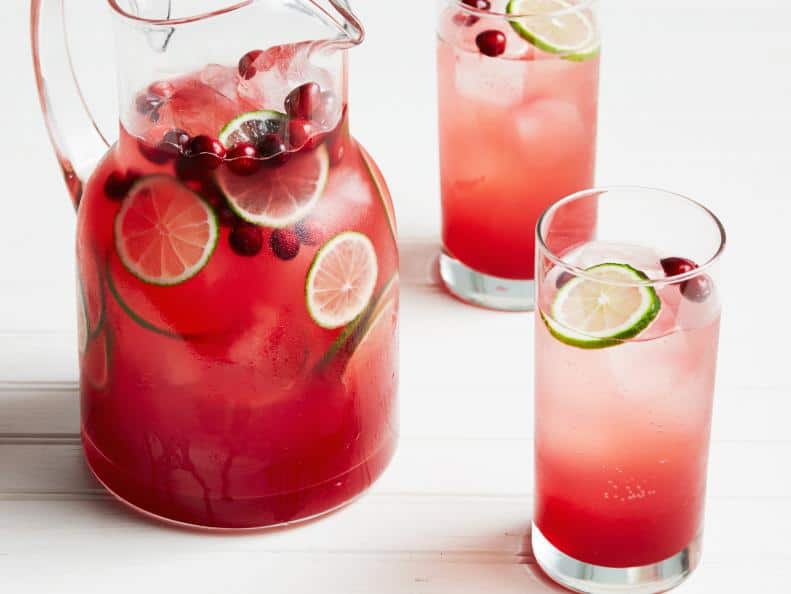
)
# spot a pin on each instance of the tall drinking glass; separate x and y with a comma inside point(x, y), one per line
point(626, 348)
point(518, 95)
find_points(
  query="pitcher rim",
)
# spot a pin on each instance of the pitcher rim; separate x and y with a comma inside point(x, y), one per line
point(180, 20)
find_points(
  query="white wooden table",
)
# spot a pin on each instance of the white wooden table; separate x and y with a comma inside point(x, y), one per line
point(694, 98)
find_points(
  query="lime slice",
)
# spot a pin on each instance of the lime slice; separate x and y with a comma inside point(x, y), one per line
point(570, 32)
point(278, 196)
point(341, 280)
point(252, 127)
point(590, 314)
point(164, 233)
point(381, 190)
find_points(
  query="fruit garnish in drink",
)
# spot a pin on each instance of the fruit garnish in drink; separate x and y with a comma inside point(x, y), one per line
point(253, 127)
point(278, 197)
point(164, 232)
point(491, 43)
point(603, 308)
point(341, 280)
point(568, 32)
point(696, 289)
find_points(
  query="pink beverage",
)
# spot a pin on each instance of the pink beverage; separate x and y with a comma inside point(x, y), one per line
point(623, 395)
point(238, 289)
point(517, 132)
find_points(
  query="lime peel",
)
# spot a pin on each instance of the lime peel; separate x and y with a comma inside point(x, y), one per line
point(571, 34)
point(592, 314)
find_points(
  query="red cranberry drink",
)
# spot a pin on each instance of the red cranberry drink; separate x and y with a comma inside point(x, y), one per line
point(238, 275)
point(518, 88)
point(626, 352)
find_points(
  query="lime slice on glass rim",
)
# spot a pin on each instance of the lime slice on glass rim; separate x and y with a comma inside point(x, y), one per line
point(164, 232)
point(590, 314)
point(557, 27)
point(341, 280)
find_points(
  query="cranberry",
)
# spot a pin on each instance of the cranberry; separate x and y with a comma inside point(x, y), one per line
point(491, 43)
point(309, 232)
point(285, 244)
point(148, 103)
point(206, 151)
point(246, 68)
point(158, 154)
point(246, 239)
point(243, 159)
point(188, 170)
point(118, 184)
point(676, 266)
point(272, 148)
point(303, 101)
point(479, 4)
point(697, 289)
point(302, 134)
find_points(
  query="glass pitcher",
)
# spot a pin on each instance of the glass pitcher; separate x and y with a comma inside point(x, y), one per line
point(237, 262)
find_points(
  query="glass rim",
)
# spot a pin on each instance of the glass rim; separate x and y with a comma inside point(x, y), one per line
point(571, 9)
point(582, 273)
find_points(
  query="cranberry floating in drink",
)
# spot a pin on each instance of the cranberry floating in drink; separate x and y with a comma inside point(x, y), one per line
point(237, 264)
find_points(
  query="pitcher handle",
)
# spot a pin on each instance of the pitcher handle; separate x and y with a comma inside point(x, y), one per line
point(75, 136)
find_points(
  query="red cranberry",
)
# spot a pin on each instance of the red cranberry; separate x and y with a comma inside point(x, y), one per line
point(285, 244)
point(479, 4)
point(303, 101)
point(309, 232)
point(206, 151)
point(302, 134)
point(697, 289)
point(676, 266)
point(246, 68)
point(148, 103)
point(118, 184)
point(243, 159)
point(158, 154)
point(491, 43)
point(272, 148)
point(246, 239)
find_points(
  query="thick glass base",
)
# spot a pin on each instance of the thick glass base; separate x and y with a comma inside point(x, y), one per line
point(596, 579)
point(483, 290)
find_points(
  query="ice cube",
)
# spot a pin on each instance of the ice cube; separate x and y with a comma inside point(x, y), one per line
point(222, 79)
point(554, 129)
point(280, 69)
point(491, 81)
